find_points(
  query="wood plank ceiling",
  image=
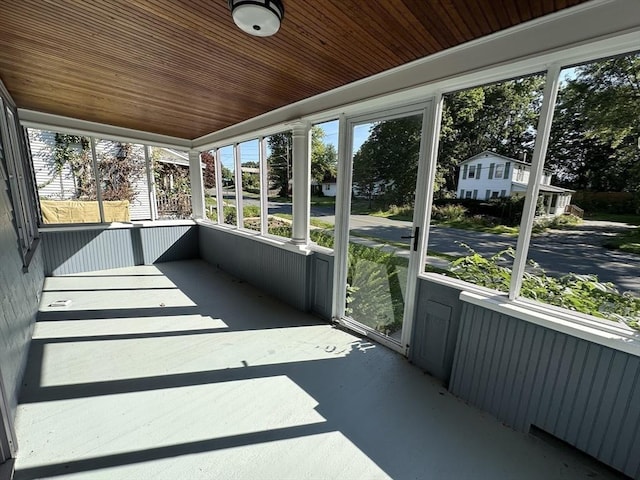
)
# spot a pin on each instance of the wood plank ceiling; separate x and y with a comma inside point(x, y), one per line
point(182, 68)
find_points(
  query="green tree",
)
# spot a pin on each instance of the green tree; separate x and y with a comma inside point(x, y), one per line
point(279, 162)
point(324, 158)
point(501, 117)
point(595, 132)
point(387, 162)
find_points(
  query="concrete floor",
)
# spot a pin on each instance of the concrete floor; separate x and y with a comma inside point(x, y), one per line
point(178, 371)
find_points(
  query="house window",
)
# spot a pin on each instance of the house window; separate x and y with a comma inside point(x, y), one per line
point(228, 187)
point(600, 95)
point(82, 179)
point(472, 171)
point(171, 185)
point(324, 166)
point(249, 155)
point(16, 172)
point(493, 122)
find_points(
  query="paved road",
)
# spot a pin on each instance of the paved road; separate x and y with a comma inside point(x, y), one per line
point(558, 252)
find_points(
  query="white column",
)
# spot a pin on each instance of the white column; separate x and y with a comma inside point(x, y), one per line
point(197, 185)
point(151, 184)
point(301, 182)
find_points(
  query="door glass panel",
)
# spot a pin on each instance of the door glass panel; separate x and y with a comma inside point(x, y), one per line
point(385, 164)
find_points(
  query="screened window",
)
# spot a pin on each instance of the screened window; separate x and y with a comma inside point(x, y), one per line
point(16, 173)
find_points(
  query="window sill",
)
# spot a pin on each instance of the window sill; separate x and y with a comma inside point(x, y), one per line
point(114, 225)
point(26, 260)
point(270, 240)
point(609, 334)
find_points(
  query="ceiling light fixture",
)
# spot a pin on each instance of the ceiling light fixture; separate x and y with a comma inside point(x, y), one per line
point(257, 17)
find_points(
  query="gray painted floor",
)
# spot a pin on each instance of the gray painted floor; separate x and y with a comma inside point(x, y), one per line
point(182, 372)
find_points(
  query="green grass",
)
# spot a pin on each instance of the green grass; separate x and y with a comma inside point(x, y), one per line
point(631, 219)
point(313, 221)
point(320, 224)
point(474, 225)
point(627, 242)
point(323, 201)
point(403, 245)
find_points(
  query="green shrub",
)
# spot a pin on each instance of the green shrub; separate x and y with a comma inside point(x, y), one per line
point(324, 238)
point(229, 213)
point(249, 211)
point(580, 293)
point(558, 221)
point(448, 212)
point(378, 275)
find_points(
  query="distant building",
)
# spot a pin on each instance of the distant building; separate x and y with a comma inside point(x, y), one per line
point(329, 186)
point(491, 175)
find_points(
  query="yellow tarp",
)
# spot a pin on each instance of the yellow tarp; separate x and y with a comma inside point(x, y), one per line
point(75, 211)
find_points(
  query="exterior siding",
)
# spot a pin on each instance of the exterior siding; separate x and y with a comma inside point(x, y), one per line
point(84, 250)
point(19, 297)
point(279, 272)
point(484, 183)
point(583, 393)
point(62, 186)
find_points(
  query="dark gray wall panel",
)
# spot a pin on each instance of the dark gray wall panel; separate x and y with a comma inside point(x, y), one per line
point(322, 284)
point(19, 298)
point(75, 251)
point(583, 393)
point(435, 328)
point(280, 272)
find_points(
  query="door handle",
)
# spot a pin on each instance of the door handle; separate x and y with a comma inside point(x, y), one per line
point(415, 237)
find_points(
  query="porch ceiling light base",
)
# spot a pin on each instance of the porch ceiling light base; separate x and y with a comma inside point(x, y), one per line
point(257, 17)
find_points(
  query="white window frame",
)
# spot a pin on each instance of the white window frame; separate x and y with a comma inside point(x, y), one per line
point(498, 172)
point(240, 190)
point(148, 175)
point(18, 177)
point(471, 173)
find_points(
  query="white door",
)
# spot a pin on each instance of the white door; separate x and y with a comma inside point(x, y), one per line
point(379, 222)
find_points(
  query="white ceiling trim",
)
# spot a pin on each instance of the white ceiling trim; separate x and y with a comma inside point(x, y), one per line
point(74, 126)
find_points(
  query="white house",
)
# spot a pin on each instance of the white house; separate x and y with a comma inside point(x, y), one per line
point(329, 186)
point(491, 175)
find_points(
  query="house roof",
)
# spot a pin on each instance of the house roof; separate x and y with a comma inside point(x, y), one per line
point(494, 154)
point(504, 157)
point(543, 188)
point(183, 69)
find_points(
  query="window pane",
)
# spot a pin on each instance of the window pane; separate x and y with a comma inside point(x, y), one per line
point(324, 166)
point(209, 183)
point(123, 181)
point(63, 168)
point(250, 167)
point(228, 169)
point(585, 252)
point(172, 183)
point(487, 136)
point(279, 177)
point(385, 166)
